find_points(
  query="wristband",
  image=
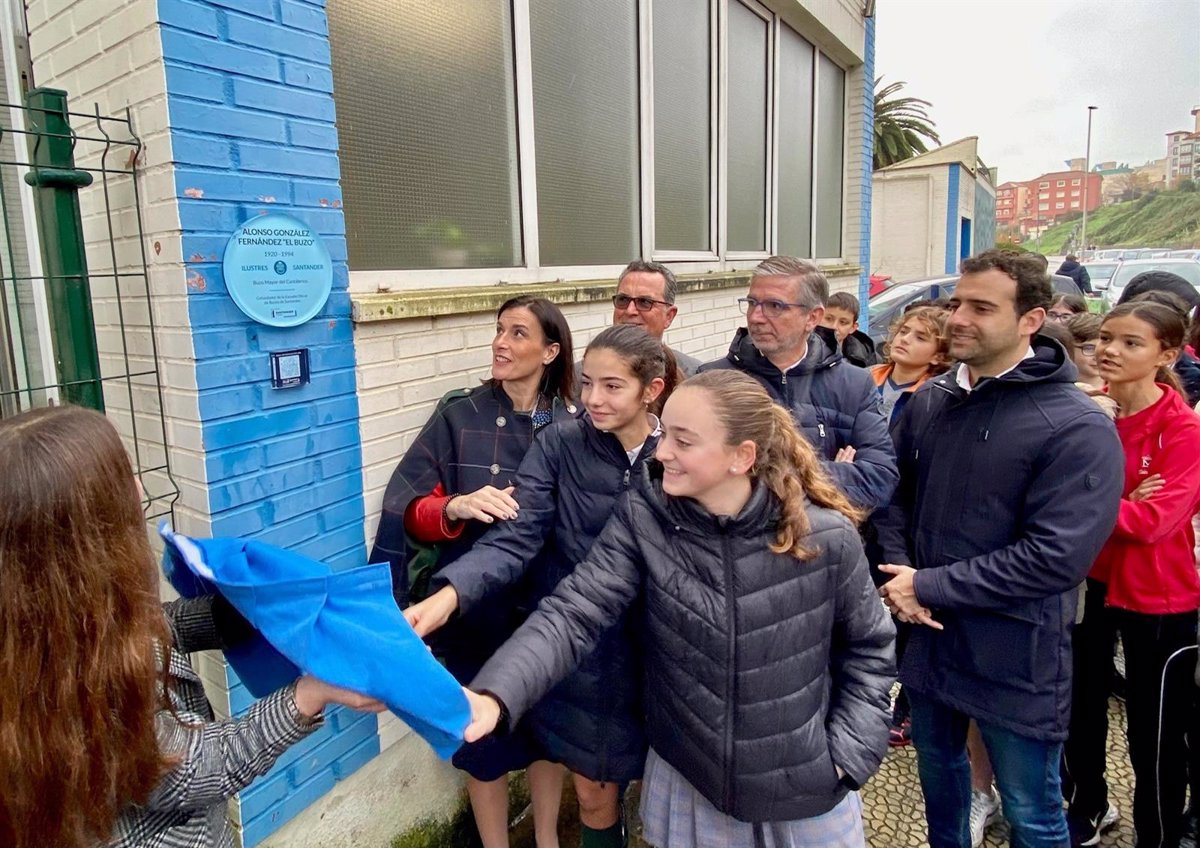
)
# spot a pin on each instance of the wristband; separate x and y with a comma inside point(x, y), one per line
point(446, 519)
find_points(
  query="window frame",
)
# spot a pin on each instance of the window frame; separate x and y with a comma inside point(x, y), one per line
point(718, 257)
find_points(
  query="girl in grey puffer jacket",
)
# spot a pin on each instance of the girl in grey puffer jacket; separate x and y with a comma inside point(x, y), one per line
point(768, 655)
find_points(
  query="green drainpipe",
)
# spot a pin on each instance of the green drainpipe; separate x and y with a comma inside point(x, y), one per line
point(56, 183)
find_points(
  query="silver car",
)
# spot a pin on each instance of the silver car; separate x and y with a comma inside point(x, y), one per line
point(1189, 269)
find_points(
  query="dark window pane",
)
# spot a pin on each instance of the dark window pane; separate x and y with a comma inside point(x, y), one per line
point(747, 187)
point(795, 144)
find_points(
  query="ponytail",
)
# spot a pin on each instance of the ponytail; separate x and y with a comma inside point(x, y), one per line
point(785, 462)
point(1167, 376)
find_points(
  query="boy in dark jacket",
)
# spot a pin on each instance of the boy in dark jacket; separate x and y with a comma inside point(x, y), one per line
point(1010, 479)
point(841, 316)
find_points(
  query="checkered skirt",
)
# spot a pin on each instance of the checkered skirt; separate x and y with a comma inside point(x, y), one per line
point(675, 815)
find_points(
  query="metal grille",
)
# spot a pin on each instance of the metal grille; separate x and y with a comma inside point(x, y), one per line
point(76, 319)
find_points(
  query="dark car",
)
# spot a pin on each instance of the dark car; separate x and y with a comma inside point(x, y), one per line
point(890, 304)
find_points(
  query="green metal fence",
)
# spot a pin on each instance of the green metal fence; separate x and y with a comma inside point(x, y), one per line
point(69, 198)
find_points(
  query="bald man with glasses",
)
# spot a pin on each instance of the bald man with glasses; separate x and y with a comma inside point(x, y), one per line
point(834, 403)
point(645, 297)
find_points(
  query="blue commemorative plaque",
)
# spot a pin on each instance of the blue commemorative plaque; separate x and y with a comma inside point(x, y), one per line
point(277, 270)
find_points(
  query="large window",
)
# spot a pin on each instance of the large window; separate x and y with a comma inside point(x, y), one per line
point(426, 117)
point(585, 118)
point(521, 140)
point(683, 127)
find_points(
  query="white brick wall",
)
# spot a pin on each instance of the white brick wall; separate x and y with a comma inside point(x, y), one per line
point(106, 54)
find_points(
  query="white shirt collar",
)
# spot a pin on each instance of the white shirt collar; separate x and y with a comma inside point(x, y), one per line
point(803, 356)
point(963, 377)
point(655, 430)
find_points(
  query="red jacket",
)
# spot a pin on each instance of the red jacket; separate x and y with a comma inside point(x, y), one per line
point(1148, 561)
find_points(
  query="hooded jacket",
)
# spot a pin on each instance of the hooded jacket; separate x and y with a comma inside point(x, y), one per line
point(834, 404)
point(1148, 562)
point(1006, 495)
point(858, 349)
point(763, 672)
point(567, 488)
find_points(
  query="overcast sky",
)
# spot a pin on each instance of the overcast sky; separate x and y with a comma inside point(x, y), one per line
point(1020, 74)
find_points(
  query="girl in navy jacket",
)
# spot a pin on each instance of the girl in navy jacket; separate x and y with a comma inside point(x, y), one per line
point(567, 487)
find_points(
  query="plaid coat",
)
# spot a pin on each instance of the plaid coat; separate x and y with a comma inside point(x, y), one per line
point(218, 758)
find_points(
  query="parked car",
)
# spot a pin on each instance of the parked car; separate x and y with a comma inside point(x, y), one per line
point(1100, 273)
point(1191, 253)
point(1189, 269)
point(890, 304)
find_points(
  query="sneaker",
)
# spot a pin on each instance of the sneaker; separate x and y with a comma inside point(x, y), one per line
point(901, 734)
point(985, 809)
point(1085, 832)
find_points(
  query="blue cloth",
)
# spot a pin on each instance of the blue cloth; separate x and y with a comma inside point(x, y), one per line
point(342, 627)
point(1027, 775)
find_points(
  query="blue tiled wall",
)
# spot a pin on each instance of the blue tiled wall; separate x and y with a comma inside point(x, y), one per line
point(250, 98)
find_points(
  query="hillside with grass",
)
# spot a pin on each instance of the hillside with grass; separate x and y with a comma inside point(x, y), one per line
point(1165, 219)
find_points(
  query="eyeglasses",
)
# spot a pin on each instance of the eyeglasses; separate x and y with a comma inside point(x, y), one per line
point(643, 304)
point(770, 308)
point(1088, 349)
point(1060, 316)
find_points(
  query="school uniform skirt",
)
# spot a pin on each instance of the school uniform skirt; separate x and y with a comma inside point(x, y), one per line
point(675, 815)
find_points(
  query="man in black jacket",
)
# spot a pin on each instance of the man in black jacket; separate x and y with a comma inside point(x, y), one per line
point(834, 404)
point(1071, 268)
point(1010, 480)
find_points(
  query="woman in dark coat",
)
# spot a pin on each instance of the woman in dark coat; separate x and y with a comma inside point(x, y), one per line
point(452, 484)
point(567, 487)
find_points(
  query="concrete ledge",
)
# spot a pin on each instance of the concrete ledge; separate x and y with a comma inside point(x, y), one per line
point(431, 303)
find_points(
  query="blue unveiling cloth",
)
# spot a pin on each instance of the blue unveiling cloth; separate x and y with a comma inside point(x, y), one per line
point(342, 627)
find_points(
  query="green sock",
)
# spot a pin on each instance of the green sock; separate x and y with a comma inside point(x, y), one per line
point(610, 837)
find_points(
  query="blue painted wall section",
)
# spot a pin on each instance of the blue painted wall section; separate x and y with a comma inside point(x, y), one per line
point(250, 98)
point(868, 153)
point(952, 220)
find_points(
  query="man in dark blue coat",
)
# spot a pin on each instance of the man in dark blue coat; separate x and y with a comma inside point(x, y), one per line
point(1071, 268)
point(1010, 480)
point(834, 403)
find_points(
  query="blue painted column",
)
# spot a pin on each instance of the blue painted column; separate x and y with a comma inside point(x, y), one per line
point(250, 99)
point(868, 153)
point(952, 219)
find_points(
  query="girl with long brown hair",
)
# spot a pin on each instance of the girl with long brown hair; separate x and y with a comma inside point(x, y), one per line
point(106, 737)
point(768, 655)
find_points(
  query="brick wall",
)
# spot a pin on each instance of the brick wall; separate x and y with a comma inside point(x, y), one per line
point(252, 130)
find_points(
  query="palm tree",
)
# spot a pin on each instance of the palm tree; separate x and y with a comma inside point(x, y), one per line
point(900, 124)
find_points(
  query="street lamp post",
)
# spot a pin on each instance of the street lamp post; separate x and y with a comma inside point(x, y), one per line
point(1087, 171)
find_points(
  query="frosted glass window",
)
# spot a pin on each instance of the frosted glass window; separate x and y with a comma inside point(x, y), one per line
point(795, 143)
point(585, 118)
point(747, 186)
point(682, 126)
point(831, 119)
point(426, 116)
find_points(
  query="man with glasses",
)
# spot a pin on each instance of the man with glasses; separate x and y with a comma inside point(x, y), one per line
point(645, 297)
point(834, 403)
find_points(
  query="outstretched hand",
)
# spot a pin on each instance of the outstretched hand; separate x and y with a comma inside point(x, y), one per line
point(433, 612)
point(313, 695)
point(900, 596)
point(485, 715)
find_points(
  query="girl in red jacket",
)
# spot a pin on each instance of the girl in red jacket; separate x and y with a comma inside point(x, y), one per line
point(1147, 566)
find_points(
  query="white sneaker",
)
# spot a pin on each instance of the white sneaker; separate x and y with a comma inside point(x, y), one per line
point(985, 808)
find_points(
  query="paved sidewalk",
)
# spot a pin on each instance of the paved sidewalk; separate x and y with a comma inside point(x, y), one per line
point(895, 811)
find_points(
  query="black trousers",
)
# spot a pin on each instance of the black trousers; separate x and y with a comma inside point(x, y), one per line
point(1092, 644)
point(1160, 664)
